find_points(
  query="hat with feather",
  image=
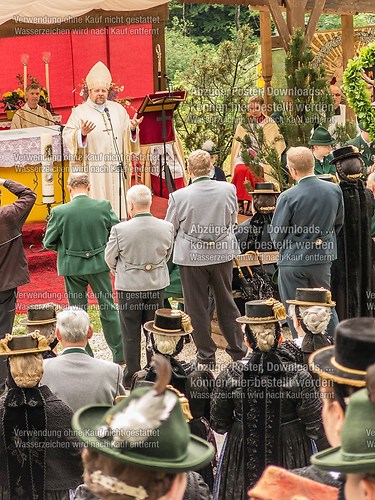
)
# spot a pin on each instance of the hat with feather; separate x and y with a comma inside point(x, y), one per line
point(146, 430)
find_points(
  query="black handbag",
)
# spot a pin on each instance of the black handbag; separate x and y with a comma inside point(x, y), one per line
point(256, 285)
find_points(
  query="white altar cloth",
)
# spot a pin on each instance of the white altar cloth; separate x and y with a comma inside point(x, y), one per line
point(20, 147)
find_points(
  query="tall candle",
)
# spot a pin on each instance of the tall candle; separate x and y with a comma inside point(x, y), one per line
point(46, 57)
point(24, 61)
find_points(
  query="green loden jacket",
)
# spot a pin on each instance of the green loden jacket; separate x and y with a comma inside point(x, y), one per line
point(78, 232)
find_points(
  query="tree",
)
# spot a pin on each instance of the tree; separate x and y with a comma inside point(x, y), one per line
point(308, 101)
point(180, 49)
point(218, 84)
point(213, 23)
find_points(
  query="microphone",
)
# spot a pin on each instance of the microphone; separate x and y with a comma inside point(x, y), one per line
point(106, 111)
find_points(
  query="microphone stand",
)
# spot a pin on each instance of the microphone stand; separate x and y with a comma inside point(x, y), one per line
point(120, 166)
point(61, 128)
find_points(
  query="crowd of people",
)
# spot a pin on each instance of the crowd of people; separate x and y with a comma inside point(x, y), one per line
point(292, 403)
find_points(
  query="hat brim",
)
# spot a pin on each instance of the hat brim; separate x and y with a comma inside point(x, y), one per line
point(85, 420)
point(251, 321)
point(320, 143)
point(333, 459)
point(322, 362)
point(264, 191)
point(348, 155)
point(149, 326)
point(302, 303)
point(25, 351)
point(25, 321)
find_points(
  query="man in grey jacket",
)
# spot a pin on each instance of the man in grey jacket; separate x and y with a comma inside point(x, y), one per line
point(137, 253)
point(307, 218)
point(203, 215)
point(74, 376)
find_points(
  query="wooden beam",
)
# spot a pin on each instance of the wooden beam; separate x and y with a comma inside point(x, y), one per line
point(314, 19)
point(266, 53)
point(295, 14)
point(347, 30)
point(279, 21)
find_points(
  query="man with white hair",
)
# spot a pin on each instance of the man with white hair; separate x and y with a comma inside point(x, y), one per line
point(78, 231)
point(137, 253)
point(100, 135)
point(74, 376)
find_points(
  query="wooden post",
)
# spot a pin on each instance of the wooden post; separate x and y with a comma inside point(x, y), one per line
point(295, 14)
point(347, 30)
point(266, 53)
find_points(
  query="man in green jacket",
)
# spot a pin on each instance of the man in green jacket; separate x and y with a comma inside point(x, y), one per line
point(78, 232)
point(321, 143)
point(366, 149)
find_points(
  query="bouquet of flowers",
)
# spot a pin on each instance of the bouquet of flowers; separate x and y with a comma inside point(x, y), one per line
point(13, 100)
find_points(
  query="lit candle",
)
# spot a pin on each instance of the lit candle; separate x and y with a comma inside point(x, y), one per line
point(24, 61)
point(46, 56)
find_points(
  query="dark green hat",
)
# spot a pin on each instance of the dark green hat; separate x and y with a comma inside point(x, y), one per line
point(321, 137)
point(136, 432)
point(357, 451)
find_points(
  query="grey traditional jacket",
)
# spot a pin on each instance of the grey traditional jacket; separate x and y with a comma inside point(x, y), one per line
point(307, 218)
point(78, 379)
point(203, 215)
point(138, 251)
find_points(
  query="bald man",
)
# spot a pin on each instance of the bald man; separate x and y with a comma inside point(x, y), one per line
point(307, 218)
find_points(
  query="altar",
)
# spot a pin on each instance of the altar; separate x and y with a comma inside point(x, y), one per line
point(21, 158)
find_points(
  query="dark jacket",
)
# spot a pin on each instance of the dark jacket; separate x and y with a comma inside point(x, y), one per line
point(63, 461)
point(13, 263)
point(307, 218)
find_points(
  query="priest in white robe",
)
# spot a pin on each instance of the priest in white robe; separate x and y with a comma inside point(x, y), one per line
point(31, 114)
point(100, 136)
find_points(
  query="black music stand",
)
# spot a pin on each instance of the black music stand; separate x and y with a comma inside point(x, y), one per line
point(157, 126)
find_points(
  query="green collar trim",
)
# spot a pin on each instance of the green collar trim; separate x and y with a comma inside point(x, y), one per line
point(68, 350)
point(143, 215)
point(199, 179)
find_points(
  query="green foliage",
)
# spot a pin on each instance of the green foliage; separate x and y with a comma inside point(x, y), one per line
point(355, 87)
point(343, 133)
point(214, 23)
point(266, 154)
point(180, 49)
point(218, 84)
point(308, 98)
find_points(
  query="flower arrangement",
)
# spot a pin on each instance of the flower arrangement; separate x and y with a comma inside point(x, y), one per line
point(113, 91)
point(13, 100)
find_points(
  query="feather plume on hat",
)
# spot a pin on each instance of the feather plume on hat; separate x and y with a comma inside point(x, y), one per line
point(141, 417)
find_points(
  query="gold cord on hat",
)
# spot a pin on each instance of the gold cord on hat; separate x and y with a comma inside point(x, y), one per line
point(117, 487)
point(277, 308)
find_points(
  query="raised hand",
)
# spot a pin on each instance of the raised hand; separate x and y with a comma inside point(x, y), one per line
point(87, 127)
point(135, 121)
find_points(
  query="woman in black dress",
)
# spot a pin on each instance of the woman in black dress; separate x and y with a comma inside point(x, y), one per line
point(268, 401)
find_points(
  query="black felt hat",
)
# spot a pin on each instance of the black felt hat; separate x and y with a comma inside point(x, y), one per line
point(263, 311)
point(265, 188)
point(344, 152)
point(169, 322)
point(354, 351)
point(312, 297)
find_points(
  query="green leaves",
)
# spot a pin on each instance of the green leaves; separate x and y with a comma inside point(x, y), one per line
point(356, 88)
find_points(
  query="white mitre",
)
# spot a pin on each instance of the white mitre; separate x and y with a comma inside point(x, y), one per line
point(98, 76)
